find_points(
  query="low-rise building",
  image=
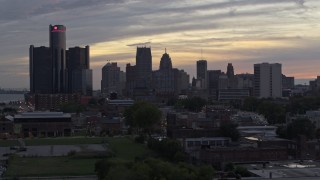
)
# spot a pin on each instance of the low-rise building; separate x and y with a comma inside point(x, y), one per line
point(42, 124)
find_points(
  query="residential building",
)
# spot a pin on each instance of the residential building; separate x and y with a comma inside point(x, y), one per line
point(267, 80)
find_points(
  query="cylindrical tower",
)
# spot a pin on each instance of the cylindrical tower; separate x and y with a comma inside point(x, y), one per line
point(57, 35)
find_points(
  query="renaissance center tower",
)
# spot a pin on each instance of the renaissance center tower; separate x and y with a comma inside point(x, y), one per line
point(57, 34)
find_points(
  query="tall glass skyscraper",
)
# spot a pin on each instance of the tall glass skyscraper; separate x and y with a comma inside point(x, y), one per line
point(57, 35)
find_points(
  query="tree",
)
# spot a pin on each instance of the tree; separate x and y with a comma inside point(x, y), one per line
point(72, 108)
point(282, 132)
point(301, 126)
point(250, 104)
point(168, 148)
point(230, 130)
point(194, 104)
point(274, 113)
point(142, 115)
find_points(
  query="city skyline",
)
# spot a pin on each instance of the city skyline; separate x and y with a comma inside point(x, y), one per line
point(242, 32)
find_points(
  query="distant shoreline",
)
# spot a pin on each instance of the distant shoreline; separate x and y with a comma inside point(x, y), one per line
point(6, 98)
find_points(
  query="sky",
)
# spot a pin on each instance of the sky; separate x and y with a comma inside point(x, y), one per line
point(241, 32)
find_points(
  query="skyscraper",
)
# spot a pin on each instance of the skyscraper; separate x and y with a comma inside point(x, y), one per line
point(79, 75)
point(57, 38)
point(41, 70)
point(53, 73)
point(230, 71)
point(163, 79)
point(143, 67)
point(110, 78)
point(202, 73)
point(165, 62)
point(167, 81)
point(267, 80)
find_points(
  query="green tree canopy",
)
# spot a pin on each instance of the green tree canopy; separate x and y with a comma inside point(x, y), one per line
point(194, 104)
point(72, 108)
point(142, 115)
point(302, 126)
point(230, 130)
point(152, 168)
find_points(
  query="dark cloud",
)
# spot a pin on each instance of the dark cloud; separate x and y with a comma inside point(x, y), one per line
point(140, 44)
point(92, 21)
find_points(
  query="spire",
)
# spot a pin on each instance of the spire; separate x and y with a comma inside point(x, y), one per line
point(165, 62)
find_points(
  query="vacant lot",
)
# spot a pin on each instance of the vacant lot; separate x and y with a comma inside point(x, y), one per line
point(7, 143)
point(50, 166)
point(65, 141)
point(123, 148)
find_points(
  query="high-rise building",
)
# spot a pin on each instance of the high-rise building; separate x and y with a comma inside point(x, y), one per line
point(130, 79)
point(41, 70)
point(163, 79)
point(79, 73)
point(58, 50)
point(165, 62)
point(110, 79)
point(143, 67)
point(54, 73)
point(202, 73)
point(287, 82)
point(230, 71)
point(139, 77)
point(267, 80)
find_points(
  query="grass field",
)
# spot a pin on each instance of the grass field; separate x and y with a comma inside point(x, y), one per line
point(65, 141)
point(8, 143)
point(55, 141)
point(124, 148)
point(50, 166)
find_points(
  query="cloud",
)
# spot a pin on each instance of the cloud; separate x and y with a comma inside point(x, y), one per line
point(240, 30)
point(140, 44)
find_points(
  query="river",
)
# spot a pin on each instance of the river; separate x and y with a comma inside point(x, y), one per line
point(6, 98)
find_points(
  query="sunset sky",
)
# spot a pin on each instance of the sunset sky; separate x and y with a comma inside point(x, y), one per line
point(241, 32)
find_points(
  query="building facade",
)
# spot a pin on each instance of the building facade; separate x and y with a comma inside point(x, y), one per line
point(202, 73)
point(267, 80)
point(58, 51)
point(41, 70)
point(112, 79)
point(79, 72)
point(55, 71)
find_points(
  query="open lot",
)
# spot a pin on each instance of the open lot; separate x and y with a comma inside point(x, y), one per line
point(49, 166)
point(55, 162)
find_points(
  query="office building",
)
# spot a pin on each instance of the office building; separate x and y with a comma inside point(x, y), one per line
point(112, 79)
point(55, 70)
point(79, 73)
point(287, 82)
point(41, 70)
point(58, 52)
point(230, 71)
point(130, 79)
point(163, 79)
point(56, 73)
point(267, 80)
point(167, 81)
point(143, 67)
point(202, 73)
point(139, 76)
point(81, 82)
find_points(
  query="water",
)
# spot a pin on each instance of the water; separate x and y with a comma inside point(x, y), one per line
point(6, 98)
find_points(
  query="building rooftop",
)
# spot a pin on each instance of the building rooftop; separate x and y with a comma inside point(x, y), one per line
point(43, 115)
